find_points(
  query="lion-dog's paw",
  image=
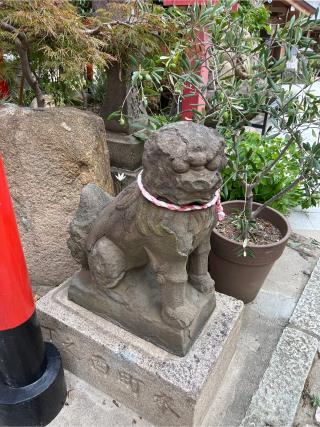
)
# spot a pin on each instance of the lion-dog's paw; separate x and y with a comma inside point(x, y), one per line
point(203, 283)
point(180, 317)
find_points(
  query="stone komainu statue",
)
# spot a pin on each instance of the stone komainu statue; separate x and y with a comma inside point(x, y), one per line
point(144, 266)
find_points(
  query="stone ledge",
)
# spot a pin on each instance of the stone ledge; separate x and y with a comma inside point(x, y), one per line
point(306, 315)
point(276, 400)
point(164, 388)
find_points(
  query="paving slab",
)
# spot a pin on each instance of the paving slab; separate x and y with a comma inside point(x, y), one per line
point(276, 400)
point(314, 218)
point(86, 406)
point(311, 234)
point(290, 274)
point(284, 382)
point(299, 220)
point(258, 338)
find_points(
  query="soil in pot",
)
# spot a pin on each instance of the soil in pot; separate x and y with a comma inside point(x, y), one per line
point(242, 276)
point(263, 233)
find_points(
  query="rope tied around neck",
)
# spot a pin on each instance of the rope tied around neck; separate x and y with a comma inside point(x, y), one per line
point(216, 202)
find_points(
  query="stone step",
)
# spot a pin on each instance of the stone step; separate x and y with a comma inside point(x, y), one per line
point(276, 401)
point(263, 323)
point(277, 398)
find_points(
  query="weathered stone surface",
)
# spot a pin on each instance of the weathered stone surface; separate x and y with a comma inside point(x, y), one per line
point(263, 322)
point(49, 155)
point(306, 315)
point(173, 156)
point(276, 400)
point(125, 150)
point(92, 200)
point(137, 251)
point(166, 389)
point(139, 294)
point(261, 328)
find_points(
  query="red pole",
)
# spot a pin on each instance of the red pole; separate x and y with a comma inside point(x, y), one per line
point(192, 100)
point(89, 69)
point(16, 301)
point(196, 102)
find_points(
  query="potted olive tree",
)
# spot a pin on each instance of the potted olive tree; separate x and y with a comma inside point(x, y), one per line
point(253, 236)
point(246, 82)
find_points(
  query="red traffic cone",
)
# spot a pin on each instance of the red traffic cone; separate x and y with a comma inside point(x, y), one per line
point(32, 385)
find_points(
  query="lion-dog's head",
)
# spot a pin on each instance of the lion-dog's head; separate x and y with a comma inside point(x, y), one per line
point(182, 163)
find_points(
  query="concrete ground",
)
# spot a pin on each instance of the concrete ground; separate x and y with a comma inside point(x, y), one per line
point(263, 323)
point(88, 407)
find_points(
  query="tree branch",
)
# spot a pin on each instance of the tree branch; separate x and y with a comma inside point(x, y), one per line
point(21, 43)
point(100, 28)
point(277, 196)
point(94, 31)
point(272, 164)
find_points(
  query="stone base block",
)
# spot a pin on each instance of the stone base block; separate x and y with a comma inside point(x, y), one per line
point(164, 388)
point(135, 305)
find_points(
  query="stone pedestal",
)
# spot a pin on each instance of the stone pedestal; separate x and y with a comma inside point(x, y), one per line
point(125, 158)
point(135, 305)
point(164, 388)
point(125, 150)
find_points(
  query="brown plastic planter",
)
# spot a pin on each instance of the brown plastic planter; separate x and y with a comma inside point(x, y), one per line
point(242, 277)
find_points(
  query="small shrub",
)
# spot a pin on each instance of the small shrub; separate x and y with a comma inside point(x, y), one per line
point(255, 152)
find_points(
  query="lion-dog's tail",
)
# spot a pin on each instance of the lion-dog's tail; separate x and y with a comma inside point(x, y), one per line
point(92, 200)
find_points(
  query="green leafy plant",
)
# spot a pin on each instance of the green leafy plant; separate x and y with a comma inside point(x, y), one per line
point(50, 42)
point(134, 30)
point(53, 41)
point(314, 400)
point(255, 152)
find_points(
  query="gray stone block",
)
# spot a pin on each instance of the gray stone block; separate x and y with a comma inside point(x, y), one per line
point(125, 150)
point(49, 155)
point(164, 388)
point(139, 294)
point(306, 315)
point(276, 400)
